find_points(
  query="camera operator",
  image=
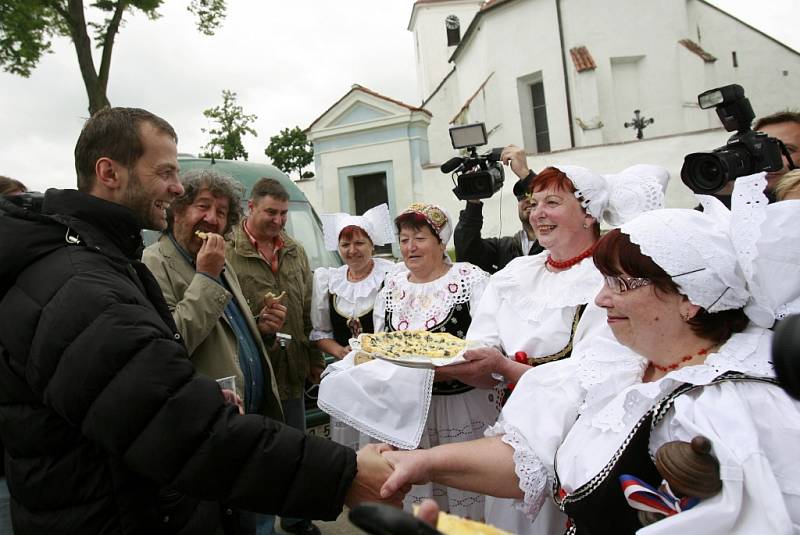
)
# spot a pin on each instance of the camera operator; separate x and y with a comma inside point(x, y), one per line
point(492, 254)
point(784, 125)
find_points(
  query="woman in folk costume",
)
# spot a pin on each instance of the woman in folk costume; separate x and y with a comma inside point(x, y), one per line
point(408, 407)
point(694, 295)
point(538, 307)
point(343, 297)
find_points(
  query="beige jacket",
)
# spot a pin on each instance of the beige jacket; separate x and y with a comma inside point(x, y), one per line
point(295, 277)
point(197, 303)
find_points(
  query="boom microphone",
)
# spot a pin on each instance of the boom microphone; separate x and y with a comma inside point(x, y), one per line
point(452, 164)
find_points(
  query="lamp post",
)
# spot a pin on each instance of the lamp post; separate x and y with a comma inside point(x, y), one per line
point(639, 123)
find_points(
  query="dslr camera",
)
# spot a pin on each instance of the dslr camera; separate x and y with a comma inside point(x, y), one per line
point(746, 152)
point(477, 176)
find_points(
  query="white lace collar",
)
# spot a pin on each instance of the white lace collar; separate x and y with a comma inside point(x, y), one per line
point(422, 305)
point(615, 391)
point(530, 288)
point(351, 291)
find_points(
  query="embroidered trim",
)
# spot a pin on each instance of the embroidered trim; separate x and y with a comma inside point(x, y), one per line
point(532, 474)
point(425, 305)
point(360, 426)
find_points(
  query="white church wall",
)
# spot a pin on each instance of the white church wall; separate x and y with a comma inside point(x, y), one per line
point(430, 39)
point(761, 60)
point(515, 41)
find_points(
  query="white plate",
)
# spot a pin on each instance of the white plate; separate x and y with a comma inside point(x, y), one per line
point(419, 361)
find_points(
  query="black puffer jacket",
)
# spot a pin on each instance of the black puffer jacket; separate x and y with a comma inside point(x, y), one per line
point(100, 406)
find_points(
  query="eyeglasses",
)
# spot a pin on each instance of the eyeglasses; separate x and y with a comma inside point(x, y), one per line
point(620, 284)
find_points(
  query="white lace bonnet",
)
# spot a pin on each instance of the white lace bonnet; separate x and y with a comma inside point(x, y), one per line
point(620, 197)
point(436, 216)
point(723, 259)
point(376, 222)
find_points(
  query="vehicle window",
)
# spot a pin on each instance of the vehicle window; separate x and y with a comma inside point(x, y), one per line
point(304, 227)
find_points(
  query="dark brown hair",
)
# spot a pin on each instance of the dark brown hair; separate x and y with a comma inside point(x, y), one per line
point(615, 254)
point(113, 133)
point(785, 116)
point(269, 187)
point(416, 222)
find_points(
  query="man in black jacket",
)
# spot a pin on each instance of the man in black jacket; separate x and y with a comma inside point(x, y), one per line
point(492, 254)
point(107, 427)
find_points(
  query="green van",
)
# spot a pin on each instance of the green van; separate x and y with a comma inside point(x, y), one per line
point(303, 225)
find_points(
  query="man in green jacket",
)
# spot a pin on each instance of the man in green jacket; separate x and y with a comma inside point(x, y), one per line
point(268, 260)
point(222, 337)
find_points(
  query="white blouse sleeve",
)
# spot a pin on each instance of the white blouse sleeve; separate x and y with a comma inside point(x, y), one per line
point(535, 419)
point(484, 315)
point(478, 289)
point(754, 429)
point(322, 327)
point(379, 312)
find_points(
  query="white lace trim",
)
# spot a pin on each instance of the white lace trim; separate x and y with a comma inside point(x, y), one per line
point(351, 291)
point(533, 477)
point(427, 392)
point(531, 290)
point(425, 305)
point(739, 354)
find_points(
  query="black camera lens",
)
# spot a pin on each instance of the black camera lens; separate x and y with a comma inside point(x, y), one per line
point(703, 172)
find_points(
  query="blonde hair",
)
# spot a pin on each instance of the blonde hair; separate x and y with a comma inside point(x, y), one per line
point(787, 184)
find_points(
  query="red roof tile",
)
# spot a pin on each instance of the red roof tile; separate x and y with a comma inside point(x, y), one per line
point(582, 59)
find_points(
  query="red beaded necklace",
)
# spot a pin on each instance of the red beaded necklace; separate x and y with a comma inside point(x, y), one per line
point(685, 358)
point(564, 264)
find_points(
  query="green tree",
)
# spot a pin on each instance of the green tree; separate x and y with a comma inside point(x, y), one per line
point(291, 151)
point(28, 27)
point(232, 125)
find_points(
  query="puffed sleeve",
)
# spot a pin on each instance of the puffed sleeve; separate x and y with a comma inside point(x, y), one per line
point(538, 415)
point(483, 327)
point(479, 284)
point(754, 429)
point(322, 327)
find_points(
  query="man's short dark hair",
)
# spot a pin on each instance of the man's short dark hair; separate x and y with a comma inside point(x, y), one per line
point(269, 187)
point(785, 116)
point(219, 184)
point(113, 133)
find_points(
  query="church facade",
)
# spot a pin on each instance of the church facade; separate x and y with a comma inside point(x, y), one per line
point(560, 78)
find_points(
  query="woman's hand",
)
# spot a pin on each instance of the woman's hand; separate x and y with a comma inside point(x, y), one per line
point(410, 468)
point(477, 371)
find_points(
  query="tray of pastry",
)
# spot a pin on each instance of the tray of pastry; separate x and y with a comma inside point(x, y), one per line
point(416, 349)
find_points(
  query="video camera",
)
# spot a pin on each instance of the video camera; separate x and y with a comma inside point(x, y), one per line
point(478, 176)
point(746, 151)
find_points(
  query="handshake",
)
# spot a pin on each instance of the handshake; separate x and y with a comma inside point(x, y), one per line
point(385, 475)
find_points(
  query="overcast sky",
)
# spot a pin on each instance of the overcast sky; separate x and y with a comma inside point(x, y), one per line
point(287, 60)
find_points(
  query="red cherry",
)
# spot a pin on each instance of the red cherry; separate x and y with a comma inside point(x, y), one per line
point(521, 357)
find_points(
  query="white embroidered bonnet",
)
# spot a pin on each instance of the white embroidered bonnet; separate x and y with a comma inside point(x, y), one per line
point(617, 198)
point(376, 222)
point(723, 259)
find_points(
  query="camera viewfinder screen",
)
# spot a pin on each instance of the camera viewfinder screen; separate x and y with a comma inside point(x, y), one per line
point(472, 135)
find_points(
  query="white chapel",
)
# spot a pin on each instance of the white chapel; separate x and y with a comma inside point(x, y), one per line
point(557, 77)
